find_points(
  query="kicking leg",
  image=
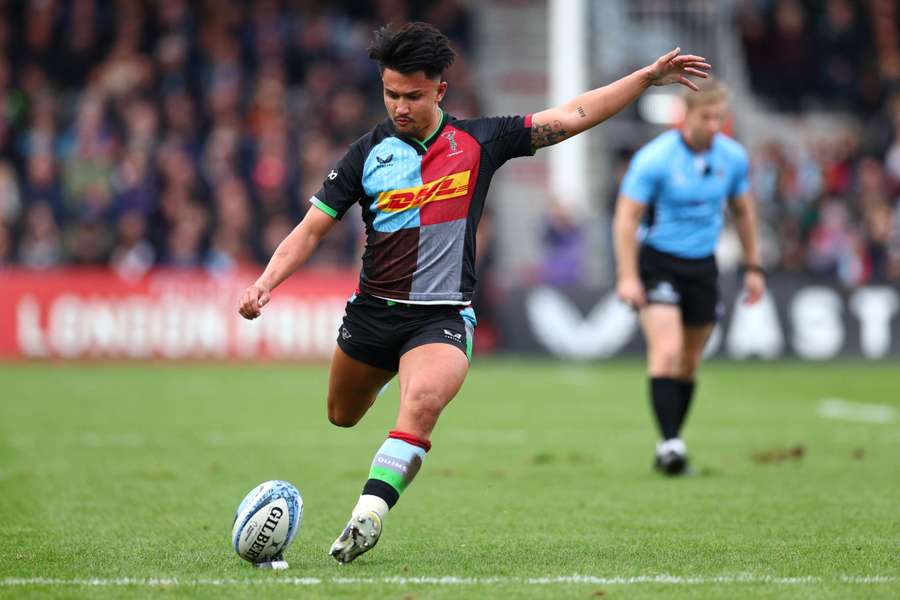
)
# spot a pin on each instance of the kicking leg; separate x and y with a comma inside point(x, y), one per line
point(352, 388)
point(430, 376)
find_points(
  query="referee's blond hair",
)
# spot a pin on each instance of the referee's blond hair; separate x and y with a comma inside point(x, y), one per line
point(711, 91)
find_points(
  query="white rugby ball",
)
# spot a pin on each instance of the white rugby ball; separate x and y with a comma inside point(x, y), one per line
point(267, 521)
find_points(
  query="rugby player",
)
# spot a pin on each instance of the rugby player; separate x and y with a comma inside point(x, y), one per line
point(421, 177)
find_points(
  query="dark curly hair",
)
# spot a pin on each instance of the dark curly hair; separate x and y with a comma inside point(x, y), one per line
point(415, 47)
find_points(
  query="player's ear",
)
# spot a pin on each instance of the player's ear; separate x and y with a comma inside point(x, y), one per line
point(441, 90)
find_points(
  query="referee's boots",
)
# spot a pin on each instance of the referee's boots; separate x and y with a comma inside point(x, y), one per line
point(671, 457)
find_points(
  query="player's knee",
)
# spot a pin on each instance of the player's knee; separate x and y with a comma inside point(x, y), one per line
point(425, 406)
point(666, 362)
point(342, 419)
point(340, 416)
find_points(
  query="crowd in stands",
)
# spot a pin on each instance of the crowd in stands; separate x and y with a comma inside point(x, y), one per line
point(830, 200)
point(192, 133)
point(187, 133)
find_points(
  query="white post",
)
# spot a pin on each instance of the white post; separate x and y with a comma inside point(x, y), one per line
point(568, 77)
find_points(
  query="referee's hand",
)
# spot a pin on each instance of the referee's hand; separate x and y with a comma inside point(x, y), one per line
point(754, 287)
point(252, 301)
point(631, 292)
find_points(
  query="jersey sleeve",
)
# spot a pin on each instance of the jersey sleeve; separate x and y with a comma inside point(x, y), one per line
point(740, 182)
point(503, 138)
point(642, 179)
point(342, 187)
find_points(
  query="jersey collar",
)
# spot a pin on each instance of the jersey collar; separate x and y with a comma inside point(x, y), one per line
point(693, 150)
point(420, 145)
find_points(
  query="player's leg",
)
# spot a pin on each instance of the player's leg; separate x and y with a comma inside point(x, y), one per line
point(695, 337)
point(352, 388)
point(365, 359)
point(699, 311)
point(432, 370)
point(663, 332)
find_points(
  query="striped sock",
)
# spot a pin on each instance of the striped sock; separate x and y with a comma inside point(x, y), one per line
point(393, 469)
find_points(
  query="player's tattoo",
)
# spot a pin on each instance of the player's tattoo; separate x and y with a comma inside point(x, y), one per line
point(581, 112)
point(547, 134)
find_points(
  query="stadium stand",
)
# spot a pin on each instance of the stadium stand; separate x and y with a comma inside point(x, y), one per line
point(185, 134)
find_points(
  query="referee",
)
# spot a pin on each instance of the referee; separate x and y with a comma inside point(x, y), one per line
point(668, 218)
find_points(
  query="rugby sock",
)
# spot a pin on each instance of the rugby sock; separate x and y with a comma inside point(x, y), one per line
point(664, 395)
point(393, 469)
point(685, 395)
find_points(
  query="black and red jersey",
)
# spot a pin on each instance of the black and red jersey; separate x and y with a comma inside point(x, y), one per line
point(421, 203)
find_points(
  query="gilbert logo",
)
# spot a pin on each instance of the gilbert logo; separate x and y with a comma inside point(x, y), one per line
point(447, 187)
point(450, 136)
point(332, 175)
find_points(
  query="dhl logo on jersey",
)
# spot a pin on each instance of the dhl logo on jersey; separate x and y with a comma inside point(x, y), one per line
point(445, 188)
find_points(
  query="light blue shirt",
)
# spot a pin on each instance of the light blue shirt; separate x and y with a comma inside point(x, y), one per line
point(685, 191)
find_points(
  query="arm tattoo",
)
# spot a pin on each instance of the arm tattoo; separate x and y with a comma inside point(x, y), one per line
point(581, 112)
point(547, 134)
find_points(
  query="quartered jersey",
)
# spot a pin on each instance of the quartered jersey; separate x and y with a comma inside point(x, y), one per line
point(421, 203)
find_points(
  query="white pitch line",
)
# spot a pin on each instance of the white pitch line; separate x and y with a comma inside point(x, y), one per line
point(838, 408)
point(446, 581)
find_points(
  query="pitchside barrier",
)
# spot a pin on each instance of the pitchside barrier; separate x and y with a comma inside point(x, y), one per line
point(799, 317)
point(94, 314)
point(85, 314)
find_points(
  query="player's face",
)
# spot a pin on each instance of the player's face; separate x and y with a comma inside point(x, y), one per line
point(704, 121)
point(411, 101)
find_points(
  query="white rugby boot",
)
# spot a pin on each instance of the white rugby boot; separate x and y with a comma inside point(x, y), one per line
point(359, 536)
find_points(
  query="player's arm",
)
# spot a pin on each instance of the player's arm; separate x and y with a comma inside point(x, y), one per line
point(291, 254)
point(554, 125)
point(743, 209)
point(625, 226)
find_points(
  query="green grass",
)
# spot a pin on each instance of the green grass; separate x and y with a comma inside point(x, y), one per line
point(538, 470)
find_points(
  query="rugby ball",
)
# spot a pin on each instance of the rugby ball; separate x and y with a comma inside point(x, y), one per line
point(267, 521)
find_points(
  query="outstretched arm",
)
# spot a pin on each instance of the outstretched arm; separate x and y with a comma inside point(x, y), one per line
point(554, 125)
point(291, 254)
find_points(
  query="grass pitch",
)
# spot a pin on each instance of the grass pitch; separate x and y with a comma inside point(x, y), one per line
point(122, 481)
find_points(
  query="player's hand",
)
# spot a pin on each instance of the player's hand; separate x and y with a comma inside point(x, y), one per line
point(631, 292)
point(675, 68)
point(254, 298)
point(754, 287)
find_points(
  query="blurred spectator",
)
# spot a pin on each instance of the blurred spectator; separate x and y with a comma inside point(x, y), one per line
point(133, 255)
point(40, 246)
point(563, 253)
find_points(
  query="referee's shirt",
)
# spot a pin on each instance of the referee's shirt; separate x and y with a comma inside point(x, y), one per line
point(685, 191)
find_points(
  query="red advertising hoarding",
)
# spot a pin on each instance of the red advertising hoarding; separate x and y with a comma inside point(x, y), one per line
point(75, 314)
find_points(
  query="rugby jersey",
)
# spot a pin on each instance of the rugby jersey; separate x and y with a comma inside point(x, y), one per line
point(421, 202)
point(685, 191)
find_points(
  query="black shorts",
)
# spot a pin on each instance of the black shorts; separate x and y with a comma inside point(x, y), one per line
point(691, 284)
point(378, 332)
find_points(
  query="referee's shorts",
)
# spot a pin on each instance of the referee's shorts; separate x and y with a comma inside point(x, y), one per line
point(378, 332)
point(689, 283)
